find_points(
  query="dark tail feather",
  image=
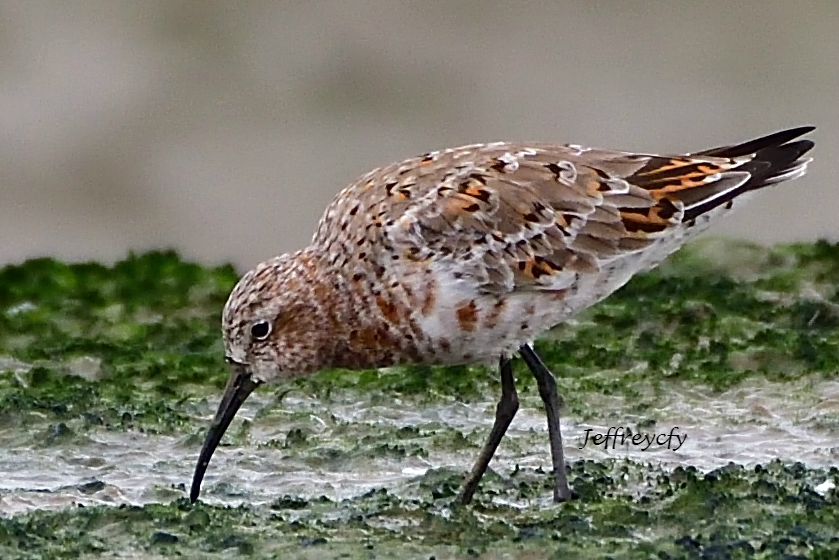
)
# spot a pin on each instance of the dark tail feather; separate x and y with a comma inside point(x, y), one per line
point(776, 159)
point(758, 144)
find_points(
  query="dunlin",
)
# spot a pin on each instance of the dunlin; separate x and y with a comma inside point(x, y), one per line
point(466, 255)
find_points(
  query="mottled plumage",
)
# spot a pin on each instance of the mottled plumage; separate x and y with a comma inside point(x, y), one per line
point(466, 254)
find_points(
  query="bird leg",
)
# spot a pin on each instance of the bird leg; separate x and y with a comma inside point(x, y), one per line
point(547, 390)
point(504, 413)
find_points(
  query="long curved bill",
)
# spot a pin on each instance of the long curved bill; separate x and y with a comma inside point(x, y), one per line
point(239, 386)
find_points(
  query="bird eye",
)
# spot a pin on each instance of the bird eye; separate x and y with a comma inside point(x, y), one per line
point(261, 330)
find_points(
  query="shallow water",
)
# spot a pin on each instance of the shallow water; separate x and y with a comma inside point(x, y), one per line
point(343, 456)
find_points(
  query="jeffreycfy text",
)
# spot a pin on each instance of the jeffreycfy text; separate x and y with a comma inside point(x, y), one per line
point(621, 436)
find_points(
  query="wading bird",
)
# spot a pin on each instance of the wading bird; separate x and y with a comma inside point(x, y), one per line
point(466, 255)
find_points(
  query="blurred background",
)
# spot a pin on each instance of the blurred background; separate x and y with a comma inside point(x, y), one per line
point(223, 128)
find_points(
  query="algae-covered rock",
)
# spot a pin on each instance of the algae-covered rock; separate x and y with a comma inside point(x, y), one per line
point(108, 376)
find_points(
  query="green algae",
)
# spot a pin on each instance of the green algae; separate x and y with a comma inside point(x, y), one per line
point(135, 348)
point(152, 322)
point(625, 510)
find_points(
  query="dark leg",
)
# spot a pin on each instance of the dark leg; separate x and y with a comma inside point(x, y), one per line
point(504, 412)
point(547, 390)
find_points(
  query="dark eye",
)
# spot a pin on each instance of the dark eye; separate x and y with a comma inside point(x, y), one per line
point(261, 330)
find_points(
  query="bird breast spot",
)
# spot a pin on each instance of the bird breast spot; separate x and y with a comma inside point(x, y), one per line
point(467, 315)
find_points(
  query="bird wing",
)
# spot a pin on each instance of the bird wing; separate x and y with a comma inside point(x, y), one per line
point(534, 216)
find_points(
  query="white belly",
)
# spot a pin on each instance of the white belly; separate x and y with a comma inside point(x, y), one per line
point(524, 315)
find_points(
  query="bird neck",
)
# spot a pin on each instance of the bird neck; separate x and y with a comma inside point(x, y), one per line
point(360, 321)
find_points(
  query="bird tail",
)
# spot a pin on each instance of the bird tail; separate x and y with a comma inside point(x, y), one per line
point(700, 182)
point(768, 160)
